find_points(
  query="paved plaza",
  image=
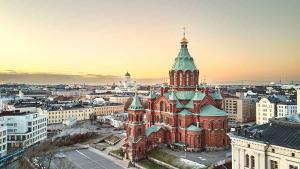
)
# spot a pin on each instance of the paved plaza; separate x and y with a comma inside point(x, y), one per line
point(206, 158)
point(85, 158)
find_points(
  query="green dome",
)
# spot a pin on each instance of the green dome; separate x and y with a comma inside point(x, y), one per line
point(184, 61)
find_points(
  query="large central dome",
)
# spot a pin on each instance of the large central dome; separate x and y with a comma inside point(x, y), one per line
point(184, 73)
point(184, 61)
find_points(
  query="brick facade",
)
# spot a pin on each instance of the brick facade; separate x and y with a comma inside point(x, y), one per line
point(185, 113)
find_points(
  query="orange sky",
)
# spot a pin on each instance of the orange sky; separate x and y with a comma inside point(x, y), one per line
point(229, 40)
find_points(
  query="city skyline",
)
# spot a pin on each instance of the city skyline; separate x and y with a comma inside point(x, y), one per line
point(230, 41)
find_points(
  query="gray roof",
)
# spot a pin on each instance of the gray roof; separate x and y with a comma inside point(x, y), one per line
point(277, 132)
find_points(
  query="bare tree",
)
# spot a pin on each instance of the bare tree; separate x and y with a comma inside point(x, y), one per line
point(43, 154)
point(93, 118)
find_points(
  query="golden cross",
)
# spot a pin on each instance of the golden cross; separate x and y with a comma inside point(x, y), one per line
point(184, 28)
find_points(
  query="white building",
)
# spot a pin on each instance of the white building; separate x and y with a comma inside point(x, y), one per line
point(274, 145)
point(298, 100)
point(266, 109)
point(3, 141)
point(119, 99)
point(128, 82)
point(286, 109)
point(127, 85)
point(24, 129)
point(70, 121)
point(118, 120)
point(82, 113)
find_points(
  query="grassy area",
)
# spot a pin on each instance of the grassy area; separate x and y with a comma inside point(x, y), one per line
point(173, 160)
point(150, 165)
point(163, 156)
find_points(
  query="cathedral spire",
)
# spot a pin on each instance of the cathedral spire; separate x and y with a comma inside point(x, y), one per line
point(136, 103)
point(184, 41)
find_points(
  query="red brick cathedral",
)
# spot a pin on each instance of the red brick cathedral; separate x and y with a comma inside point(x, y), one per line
point(185, 114)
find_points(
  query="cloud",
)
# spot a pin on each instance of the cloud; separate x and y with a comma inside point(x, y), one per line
point(10, 71)
point(10, 76)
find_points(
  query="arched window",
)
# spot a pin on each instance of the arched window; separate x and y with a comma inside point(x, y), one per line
point(179, 137)
point(247, 161)
point(141, 117)
point(195, 77)
point(157, 118)
point(187, 78)
point(211, 125)
point(162, 106)
point(139, 131)
point(252, 162)
point(180, 79)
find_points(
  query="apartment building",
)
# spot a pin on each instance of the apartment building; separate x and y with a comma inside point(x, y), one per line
point(286, 109)
point(60, 115)
point(24, 128)
point(266, 108)
point(119, 99)
point(273, 145)
point(82, 113)
point(109, 109)
point(3, 140)
point(298, 100)
point(239, 110)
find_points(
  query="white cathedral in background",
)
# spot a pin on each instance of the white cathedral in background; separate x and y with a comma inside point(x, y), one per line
point(127, 82)
point(127, 85)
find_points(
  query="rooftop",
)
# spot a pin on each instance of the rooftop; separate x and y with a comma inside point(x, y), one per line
point(209, 110)
point(14, 113)
point(281, 132)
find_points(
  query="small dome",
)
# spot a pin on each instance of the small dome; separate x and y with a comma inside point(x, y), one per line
point(184, 40)
point(127, 74)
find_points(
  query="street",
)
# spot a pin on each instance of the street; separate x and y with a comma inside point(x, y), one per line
point(83, 159)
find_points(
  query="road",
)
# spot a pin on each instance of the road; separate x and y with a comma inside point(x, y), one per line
point(83, 159)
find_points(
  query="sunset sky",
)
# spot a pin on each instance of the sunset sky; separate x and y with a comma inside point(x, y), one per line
point(229, 40)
